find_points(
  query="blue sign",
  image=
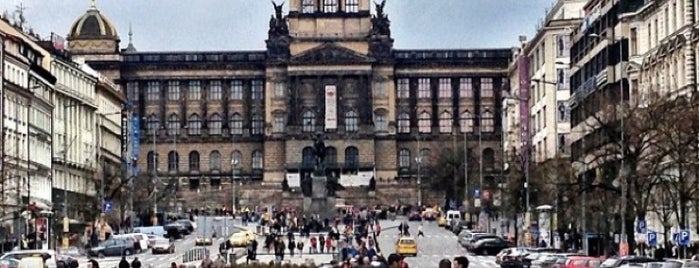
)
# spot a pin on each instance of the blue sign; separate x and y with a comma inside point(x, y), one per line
point(107, 206)
point(684, 237)
point(476, 193)
point(652, 239)
point(675, 237)
point(136, 131)
point(641, 226)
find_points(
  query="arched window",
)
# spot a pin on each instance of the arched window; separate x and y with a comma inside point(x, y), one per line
point(466, 122)
point(445, 122)
point(194, 161)
point(194, 124)
point(236, 158)
point(404, 158)
point(257, 158)
point(423, 123)
point(258, 125)
point(152, 161)
point(487, 121)
point(352, 157)
point(404, 123)
point(488, 158)
point(330, 155)
point(236, 124)
point(309, 121)
point(173, 125)
point(215, 160)
point(308, 156)
point(351, 121)
point(425, 156)
point(173, 160)
point(215, 123)
point(153, 123)
point(380, 121)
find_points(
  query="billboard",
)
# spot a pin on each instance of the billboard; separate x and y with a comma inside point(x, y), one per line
point(330, 107)
point(524, 85)
point(135, 142)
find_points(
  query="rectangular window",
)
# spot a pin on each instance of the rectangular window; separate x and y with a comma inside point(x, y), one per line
point(278, 124)
point(257, 89)
point(561, 78)
point(173, 90)
point(445, 88)
point(194, 90)
point(153, 89)
point(562, 111)
point(403, 88)
point(543, 115)
point(380, 90)
point(279, 89)
point(329, 6)
point(423, 88)
point(466, 88)
point(562, 43)
point(352, 6)
point(486, 87)
point(236, 90)
point(381, 123)
point(634, 41)
point(132, 91)
point(215, 90)
point(308, 6)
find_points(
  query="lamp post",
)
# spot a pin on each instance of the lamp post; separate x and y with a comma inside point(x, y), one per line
point(234, 166)
point(623, 242)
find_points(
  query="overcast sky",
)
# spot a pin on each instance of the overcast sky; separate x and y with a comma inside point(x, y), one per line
point(171, 25)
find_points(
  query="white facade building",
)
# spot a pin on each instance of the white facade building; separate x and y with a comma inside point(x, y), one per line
point(75, 135)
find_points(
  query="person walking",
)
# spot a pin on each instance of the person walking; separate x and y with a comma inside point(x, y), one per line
point(321, 243)
point(419, 231)
point(136, 263)
point(124, 263)
point(291, 246)
point(299, 246)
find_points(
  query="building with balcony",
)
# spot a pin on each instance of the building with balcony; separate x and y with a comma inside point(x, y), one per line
point(204, 115)
point(27, 88)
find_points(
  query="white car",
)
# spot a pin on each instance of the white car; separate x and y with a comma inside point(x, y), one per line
point(203, 241)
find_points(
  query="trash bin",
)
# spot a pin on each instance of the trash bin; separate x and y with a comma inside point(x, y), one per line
point(259, 229)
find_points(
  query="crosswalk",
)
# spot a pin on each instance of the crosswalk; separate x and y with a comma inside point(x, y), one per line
point(109, 262)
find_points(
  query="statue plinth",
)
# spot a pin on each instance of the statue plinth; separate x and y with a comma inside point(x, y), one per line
point(319, 203)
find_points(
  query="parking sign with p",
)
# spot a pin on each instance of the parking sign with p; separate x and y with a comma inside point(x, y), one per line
point(652, 239)
point(684, 237)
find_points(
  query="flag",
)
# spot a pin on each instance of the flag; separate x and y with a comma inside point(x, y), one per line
point(58, 41)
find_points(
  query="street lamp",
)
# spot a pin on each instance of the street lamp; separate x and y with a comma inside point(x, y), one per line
point(234, 166)
point(418, 161)
point(623, 242)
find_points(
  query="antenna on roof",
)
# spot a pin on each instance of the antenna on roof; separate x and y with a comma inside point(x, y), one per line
point(20, 19)
point(130, 33)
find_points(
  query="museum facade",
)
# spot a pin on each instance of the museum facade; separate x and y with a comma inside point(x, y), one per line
point(330, 69)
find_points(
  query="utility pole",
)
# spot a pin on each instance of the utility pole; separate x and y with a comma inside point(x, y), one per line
point(155, 177)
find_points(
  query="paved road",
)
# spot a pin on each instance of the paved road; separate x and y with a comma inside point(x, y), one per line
point(205, 226)
point(437, 244)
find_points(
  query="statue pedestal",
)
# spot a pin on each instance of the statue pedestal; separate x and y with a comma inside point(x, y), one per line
point(372, 194)
point(319, 203)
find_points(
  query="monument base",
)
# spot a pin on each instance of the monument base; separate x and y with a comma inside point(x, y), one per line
point(323, 207)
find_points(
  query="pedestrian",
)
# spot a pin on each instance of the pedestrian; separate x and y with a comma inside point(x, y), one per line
point(329, 245)
point(173, 265)
point(314, 245)
point(291, 246)
point(254, 249)
point(251, 254)
point(419, 231)
point(445, 263)
point(461, 262)
point(92, 263)
point(321, 243)
point(123, 263)
point(136, 263)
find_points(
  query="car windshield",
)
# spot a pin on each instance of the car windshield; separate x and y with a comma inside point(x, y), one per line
point(407, 242)
point(162, 242)
point(609, 263)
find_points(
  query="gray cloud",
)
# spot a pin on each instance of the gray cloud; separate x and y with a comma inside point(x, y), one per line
point(171, 25)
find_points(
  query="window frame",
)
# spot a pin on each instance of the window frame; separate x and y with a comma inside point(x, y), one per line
point(445, 122)
point(236, 91)
point(424, 122)
point(308, 123)
point(257, 160)
point(194, 124)
point(173, 90)
point(236, 124)
point(330, 6)
point(215, 124)
point(404, 160)
point(215, 161)
point(257, 88)
point(153, 91)
point(487, 87)
point(466, 122)
point(351, 121)
point(194, 90)
point(487, 121)
point(401, 121)
point(173, 124)
point(308, 6)
point(215, 90)
point(257, 124)
point(445, 91)
point(403, 88)
point(351, 6)
point(173, 160)
point(423, 88)
point(194, 161)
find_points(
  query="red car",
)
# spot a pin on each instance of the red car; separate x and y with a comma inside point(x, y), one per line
point(582, 262)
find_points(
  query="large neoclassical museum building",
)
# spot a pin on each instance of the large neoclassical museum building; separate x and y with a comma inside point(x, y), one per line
point(330, 68)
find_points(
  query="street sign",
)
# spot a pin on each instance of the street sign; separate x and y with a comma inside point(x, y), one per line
point(675, 237)
point(652, 239)
point(641, 226)
point(476, 193)
point(107, 206)
point(684, 237)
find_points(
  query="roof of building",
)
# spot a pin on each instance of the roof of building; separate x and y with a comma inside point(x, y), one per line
point(93, 25)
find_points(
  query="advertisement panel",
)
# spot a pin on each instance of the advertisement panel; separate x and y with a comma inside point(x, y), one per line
point(330, 107)
point(294, 180)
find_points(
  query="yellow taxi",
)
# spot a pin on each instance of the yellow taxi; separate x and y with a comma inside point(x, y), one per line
point(406, 245)
point(442, 221)
point(32, 262)
point(242, 238)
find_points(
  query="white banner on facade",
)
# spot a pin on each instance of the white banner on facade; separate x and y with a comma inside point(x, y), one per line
point(356, 180)
point(330, 107)
point(294, 180)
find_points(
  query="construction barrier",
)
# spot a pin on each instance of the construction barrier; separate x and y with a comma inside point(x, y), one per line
point(195, 254)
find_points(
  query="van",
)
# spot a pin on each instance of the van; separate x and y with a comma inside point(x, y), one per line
point(453, 215)
point(151, 230)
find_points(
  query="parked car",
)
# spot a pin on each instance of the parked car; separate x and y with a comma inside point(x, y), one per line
point(508, 252)
point(51, 257)
point(583, 262)
point(475, 237)
point(175, 230)
point(9, 263)
point(203, 241)
point(672, 263)
point(187, 224)
point(113, 247)
point(163, 245)
point(489, 246)
point(616, 262)
point(140, 241)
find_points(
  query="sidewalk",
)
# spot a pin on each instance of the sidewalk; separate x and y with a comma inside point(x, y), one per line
point(314, 258)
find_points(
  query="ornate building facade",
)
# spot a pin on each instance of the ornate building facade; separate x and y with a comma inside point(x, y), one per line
point(330, 68)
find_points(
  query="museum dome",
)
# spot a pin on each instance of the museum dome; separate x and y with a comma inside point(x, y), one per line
point(93, 25)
